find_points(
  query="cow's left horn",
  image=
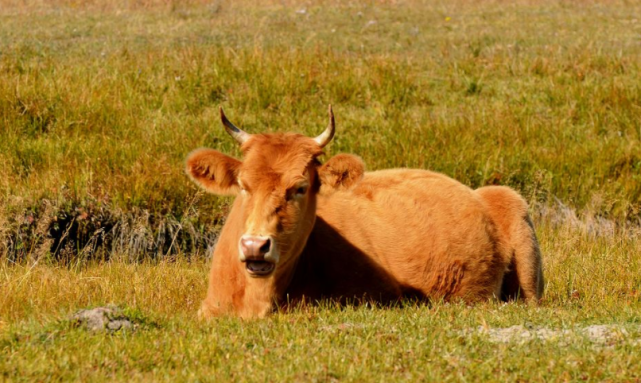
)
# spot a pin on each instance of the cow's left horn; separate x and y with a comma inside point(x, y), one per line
point(238, 134)
point(328, 134)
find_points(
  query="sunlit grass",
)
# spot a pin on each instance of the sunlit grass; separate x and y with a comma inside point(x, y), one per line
point(593, 277)
point(101, 101)
point(99, 104)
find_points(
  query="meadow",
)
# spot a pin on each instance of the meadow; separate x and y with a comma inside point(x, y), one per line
point(100, 102)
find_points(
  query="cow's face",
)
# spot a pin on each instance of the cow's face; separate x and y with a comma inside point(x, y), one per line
point(276, 184)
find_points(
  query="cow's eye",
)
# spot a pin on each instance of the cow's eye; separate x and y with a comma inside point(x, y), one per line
point(243, 188)
point(296, 192)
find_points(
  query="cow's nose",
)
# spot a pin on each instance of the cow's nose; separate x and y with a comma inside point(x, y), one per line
point(255, 248)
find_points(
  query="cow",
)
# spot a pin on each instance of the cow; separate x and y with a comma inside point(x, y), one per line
point(300, 230)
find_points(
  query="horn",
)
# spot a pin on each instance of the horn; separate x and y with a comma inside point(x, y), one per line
point(328, 134)
point(239, 135)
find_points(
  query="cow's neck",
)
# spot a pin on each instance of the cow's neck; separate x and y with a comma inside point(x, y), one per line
point(261, 294)
point(258, 297)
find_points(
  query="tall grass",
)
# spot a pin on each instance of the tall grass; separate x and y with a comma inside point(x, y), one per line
point(100, 103)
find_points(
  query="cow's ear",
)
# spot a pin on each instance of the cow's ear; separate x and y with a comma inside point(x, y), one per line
point(214, 171)
point(341, 172)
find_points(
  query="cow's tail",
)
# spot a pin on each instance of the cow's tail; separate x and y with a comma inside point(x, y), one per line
point(509, 211)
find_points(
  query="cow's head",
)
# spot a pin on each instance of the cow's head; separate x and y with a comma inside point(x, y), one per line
point(277, 183)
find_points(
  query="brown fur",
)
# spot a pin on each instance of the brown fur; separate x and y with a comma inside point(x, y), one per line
point(509, 212)
point(376, 235)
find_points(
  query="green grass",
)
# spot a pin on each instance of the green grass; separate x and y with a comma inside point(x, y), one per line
point(592, 278)
point(100, 102)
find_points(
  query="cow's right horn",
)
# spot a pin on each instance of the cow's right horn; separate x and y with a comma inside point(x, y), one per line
point(328, 134)
point(239, 135)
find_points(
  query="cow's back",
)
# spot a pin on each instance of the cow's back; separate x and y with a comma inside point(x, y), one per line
point(403, 231)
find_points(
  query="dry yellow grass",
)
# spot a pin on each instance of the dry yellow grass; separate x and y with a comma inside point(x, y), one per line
point(40, 291)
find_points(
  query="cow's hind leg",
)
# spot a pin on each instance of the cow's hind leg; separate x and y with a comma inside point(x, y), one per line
point(508, 210)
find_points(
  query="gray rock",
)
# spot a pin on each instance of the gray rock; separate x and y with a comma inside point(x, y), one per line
point(109, 318)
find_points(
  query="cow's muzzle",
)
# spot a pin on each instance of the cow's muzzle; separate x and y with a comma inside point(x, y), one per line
point(256, 253)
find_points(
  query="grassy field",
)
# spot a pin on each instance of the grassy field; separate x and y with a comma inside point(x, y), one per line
point(594, 278)
point(101, 101)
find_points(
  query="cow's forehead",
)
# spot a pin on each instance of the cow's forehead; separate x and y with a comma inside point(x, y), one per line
point(277, 158)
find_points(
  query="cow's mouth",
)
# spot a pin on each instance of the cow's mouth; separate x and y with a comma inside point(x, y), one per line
point(259, 268)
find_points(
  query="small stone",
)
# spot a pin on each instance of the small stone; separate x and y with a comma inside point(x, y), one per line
point(109, 318)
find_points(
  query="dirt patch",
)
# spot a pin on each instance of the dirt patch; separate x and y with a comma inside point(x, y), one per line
point(597, 334)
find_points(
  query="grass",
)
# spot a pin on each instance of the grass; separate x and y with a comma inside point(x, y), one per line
point(101, 101)
point(593, 278)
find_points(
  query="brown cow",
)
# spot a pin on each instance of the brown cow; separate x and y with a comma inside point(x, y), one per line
point(300, 229)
